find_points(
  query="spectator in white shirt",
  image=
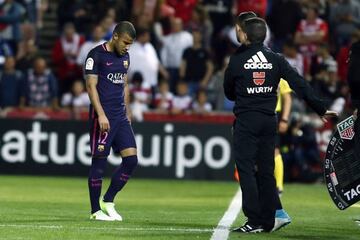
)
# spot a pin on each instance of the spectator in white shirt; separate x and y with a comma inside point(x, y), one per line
point(174, 45)
point(140, 97)
point(77, 98)
point(164, 98)
point(144, 60)
point(97, 39)
point(201, 105)
point(140, 94)
point(295, 58)
point(182, 100)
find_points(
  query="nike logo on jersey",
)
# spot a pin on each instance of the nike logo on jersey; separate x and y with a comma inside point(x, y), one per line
point(258, 61)
point(109, 63)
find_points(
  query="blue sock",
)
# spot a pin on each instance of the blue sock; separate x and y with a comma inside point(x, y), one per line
point(120, 177)
point(95, 181)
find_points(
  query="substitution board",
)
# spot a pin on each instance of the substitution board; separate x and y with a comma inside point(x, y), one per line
point(341, 169)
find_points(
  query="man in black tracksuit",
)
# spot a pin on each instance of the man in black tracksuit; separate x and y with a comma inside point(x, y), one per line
point(354, 85)
point(251, 80)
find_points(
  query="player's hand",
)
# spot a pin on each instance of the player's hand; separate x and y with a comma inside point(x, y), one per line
point(104, 124)
point(329, 114)
point(283, 126)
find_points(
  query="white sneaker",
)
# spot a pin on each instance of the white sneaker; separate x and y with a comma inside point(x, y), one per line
point(100, 216)
point(109, 209)
point(282, 219)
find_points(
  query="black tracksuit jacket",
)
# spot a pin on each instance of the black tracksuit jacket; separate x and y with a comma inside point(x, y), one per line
point(252, 78)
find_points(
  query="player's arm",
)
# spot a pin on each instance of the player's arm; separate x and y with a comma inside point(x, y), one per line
point(127, 98)
point(91, 82)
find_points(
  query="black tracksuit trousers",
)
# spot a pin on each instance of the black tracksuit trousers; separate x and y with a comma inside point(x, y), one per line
point(254, 145)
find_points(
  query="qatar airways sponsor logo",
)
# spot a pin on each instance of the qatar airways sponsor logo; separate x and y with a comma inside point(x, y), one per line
point(258, 61)
point(117, 78)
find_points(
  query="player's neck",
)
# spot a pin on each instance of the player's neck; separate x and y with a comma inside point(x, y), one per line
point(109, 46)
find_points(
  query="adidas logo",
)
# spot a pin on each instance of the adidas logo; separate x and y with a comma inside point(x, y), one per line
point(258, 61)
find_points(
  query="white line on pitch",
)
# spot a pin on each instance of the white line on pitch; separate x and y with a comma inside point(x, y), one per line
point(189, 230)
point(30, 226)
point(222, 231)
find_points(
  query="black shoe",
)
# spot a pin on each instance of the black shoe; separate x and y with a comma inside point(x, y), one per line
point(248, 228)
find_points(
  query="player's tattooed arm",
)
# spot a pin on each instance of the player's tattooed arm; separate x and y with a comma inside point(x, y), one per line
point(127, 98)
point(91, 82)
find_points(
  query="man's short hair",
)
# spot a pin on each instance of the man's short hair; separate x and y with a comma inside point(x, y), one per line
point(290, 43)
point(255, 29)
point(141, 31)
point(313, 7)
point(125, 27)
point(244, 16)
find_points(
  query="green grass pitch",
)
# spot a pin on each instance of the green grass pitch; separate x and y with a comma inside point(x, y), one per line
point(46, 208)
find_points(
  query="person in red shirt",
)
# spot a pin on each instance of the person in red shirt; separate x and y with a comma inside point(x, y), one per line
point(343, 57)
point(64, 55)
point(183, 8)
point(310, 32)
point(257, 6)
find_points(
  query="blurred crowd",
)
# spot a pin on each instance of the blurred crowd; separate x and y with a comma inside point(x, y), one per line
point(179, 56)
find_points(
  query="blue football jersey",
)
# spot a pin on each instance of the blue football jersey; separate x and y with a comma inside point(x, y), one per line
point(111, 70)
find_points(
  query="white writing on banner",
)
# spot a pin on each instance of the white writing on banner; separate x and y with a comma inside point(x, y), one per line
point(169, 149)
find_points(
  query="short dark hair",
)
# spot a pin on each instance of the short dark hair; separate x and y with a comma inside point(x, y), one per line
point(244, 16)
point(137, 77)
point(255, 29)
point(142, 31)
point(125, 27)
point(313, 7)
point(290, 43)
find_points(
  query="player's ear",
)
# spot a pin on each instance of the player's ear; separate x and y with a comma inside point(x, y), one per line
point(245, 36)
point(116, 36)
